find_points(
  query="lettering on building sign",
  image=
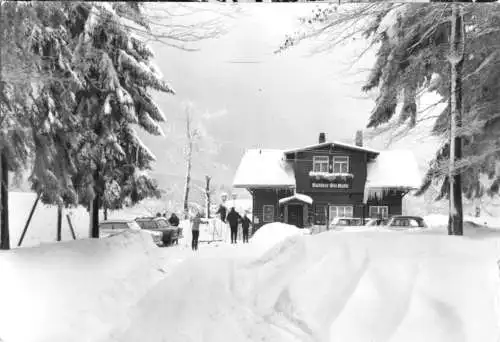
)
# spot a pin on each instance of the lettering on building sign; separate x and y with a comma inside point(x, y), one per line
point(331, 185)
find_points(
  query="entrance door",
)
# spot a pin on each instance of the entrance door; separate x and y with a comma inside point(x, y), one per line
point(296, 215)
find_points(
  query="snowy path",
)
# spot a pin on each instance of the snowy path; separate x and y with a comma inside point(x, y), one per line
point(335, 287)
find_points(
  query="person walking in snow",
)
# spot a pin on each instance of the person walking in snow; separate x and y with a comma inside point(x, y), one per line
point(245, 225)
point(233, 218)
point(195, 230)
point(222, 212)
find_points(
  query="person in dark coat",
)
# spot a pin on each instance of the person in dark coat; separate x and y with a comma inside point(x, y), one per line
point(233, 218)
point(245, 225)
point(173, 220)
point(222, 212)
point(195, 230)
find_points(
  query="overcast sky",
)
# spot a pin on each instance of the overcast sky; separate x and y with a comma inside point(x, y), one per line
point(270, 101)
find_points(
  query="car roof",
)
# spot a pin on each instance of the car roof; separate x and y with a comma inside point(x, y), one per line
point(407, 217)
point(115, 221)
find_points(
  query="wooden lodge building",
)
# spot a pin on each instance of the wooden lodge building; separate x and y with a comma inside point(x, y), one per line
point(312, 185)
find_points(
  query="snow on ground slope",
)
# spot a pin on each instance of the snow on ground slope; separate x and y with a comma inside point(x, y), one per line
point(43, 226)
point(282, 286)
point(330, 287)
point(272, 233)
point(483, 227)
point(74, 290)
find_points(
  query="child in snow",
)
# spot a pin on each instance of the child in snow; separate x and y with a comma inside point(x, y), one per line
point(195, 230)
point(233, 218)
point(245, 224)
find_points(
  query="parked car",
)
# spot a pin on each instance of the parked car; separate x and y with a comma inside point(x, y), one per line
point(372, 222)
point(170, 234)
point(406, 222)
point(340, 222)
point(112, 227)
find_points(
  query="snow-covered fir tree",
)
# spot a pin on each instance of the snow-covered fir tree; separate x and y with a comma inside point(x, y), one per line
point(116, 99)
point(87, 88)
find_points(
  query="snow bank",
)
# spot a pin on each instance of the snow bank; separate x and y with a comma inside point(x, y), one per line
point(43, 226)
point(270, 234)
point(474, 227)
point(75, 290)
point(196, 304)
point(330, 287)
point(380, 287)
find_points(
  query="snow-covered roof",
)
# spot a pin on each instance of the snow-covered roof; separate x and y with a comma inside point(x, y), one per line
point(260, 168)
point(394, 169)
point(299, 197)
point(334, 143)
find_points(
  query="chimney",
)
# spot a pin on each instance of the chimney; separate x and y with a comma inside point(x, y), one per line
point(322, 138)
point(359, 139)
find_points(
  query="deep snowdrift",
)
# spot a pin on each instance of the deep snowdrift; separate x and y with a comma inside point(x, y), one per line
point(331, 287)
point(76, 290)
point(282, 286)
point(273, 233)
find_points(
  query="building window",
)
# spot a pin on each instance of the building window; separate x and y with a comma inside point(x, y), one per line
point(379, 210)
point(341, 211)
point(320, 214)
point(320, 163)
point(268, 213)
point(340, 164)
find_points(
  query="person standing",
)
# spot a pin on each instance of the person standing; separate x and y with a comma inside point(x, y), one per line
point(245, 225)
point(174, 222)
point(222, 211)
point(233, 218)
point(195, 230)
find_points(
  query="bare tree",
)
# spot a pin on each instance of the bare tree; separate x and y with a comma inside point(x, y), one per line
point(192, 136)
point(207, 195)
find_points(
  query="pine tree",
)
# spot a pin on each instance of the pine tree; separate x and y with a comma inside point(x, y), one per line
point(24, 73)
point(120, 76)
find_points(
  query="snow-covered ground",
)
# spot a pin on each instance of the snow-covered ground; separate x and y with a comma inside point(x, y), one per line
point(284, 285)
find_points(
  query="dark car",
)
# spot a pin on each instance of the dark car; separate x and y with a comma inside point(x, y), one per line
point(160, 224)
point(406, 222)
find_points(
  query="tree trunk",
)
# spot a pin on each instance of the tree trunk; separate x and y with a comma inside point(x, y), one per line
point(94, 218)
point(105, 213)
point(207, 195)
point(4, 194)
point(59, 222)
point(188, 183)
point(189, 155)
point(456, 64)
